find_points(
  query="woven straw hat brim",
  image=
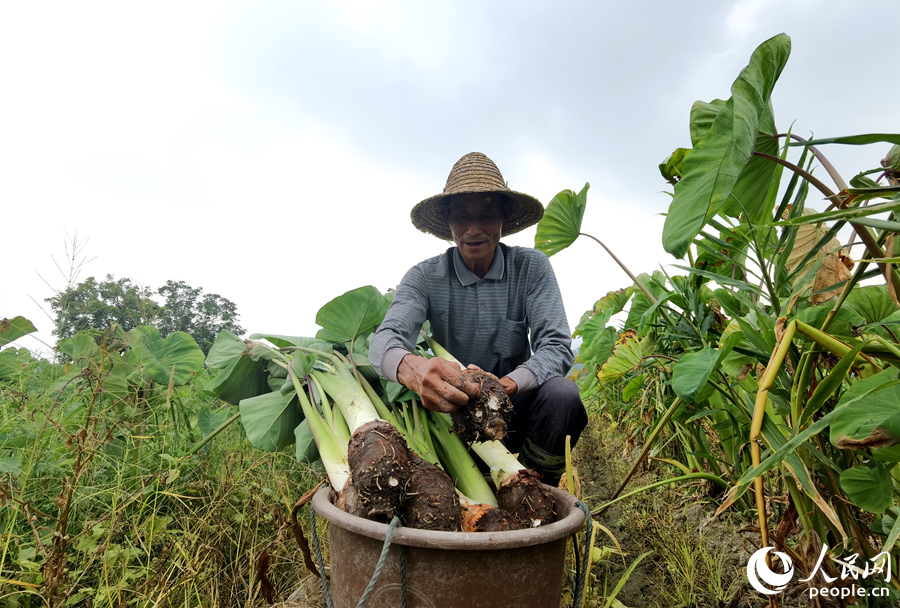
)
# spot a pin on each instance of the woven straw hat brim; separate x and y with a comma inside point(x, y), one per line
point(475, 173)
point(523, 210)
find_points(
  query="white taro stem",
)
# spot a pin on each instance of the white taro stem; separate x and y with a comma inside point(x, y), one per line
point(332, 449)
point(501, 461)
point(348, 396)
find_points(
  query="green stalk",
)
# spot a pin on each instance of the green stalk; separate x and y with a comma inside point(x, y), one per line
point(422, 415)
point(709, 476)
point(647, 444)
point(383, 411)
point(212, 435)
point(332, 452)
point(864, 365)
point(458, 462)
point(326, 406)
point(348, 395)
point(440, 351)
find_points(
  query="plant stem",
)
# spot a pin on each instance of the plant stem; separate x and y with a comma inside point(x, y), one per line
point(646, 449)
point(623, 267)
point(709, 476)
point(211, 436)
point(838, 201)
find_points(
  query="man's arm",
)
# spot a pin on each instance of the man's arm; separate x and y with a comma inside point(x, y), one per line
point(435, 380)
point(552, 347)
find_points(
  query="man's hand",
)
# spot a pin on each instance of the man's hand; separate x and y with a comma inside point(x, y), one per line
point(509, 385)
point(437, 382)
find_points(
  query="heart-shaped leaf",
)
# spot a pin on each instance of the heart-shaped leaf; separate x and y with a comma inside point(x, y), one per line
point(15, 328)
point(870, 488)
point(561, 223)
point(269, 420)
point(691, 372)
point(159, 358)
point(349, 315)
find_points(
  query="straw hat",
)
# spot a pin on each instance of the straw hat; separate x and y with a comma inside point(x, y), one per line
point(475, 173)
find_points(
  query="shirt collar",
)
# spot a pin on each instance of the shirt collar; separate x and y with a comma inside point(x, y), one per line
point(467, 277)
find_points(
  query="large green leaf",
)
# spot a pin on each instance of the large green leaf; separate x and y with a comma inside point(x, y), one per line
point(356, 312)
point(628, 353)
point(225, 350)
point(561, 223)
point(872, 303)
point(712, 168)
point(305, 448)
point(269, 420)
point(159, 358)
point(703, 114)
point(597, 346)
point(78, 348)
point(869, 488)
point(243, 378)
point(9, 366)
point(15, 328)
point(871, 418)
point(691, 372)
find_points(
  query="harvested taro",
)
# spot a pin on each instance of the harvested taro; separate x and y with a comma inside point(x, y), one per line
point(379, 469)
point(432, 502)
point(527, 501)
point(485, 417)
point(478, 517)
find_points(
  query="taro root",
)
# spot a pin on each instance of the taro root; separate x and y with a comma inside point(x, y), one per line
point(478, 517)
point(379, 468)
point(485, 417)
point(431, 499)
point(527, 501)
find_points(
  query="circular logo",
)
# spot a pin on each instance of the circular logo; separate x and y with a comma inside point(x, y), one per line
point(758, 569)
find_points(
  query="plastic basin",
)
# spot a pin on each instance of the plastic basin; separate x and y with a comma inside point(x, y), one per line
point(516, 569)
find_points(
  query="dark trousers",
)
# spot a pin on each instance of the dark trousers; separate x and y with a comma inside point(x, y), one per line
point(544, 416)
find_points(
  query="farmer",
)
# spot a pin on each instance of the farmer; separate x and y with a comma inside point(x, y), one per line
point(492, 306)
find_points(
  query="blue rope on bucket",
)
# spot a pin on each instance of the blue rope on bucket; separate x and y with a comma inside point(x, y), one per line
point(581, 566)
point(395, 523)
point(315, 539)
point(388, 537)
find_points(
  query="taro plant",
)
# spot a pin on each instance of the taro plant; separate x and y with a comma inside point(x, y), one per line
point(774, 361)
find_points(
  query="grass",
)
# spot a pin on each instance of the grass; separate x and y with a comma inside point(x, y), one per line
point(102, 508)
point(695, 562)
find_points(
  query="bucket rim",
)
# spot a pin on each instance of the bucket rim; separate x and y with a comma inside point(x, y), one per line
point(465, 541)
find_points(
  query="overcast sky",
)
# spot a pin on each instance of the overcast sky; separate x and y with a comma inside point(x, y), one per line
point(270, 152)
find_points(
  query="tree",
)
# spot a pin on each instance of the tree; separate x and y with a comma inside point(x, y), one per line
point(95, 306)
point(201, 315)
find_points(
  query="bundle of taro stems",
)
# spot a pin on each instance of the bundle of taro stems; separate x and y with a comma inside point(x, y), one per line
point(401, 459)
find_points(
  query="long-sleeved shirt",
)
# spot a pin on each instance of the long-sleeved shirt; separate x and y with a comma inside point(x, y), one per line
point(510, 323)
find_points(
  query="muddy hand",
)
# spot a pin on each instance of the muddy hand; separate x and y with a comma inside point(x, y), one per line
point(509, 385)
point(436, 381)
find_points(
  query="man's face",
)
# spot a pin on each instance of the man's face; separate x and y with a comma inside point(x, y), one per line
point(476, 225)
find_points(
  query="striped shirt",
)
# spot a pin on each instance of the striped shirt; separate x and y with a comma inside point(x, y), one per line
point(510, 323)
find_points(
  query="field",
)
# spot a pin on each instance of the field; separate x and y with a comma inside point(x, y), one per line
point(743, 404)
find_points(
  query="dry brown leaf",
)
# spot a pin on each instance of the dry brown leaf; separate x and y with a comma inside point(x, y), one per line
point(879, 438)
point(834, 266)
